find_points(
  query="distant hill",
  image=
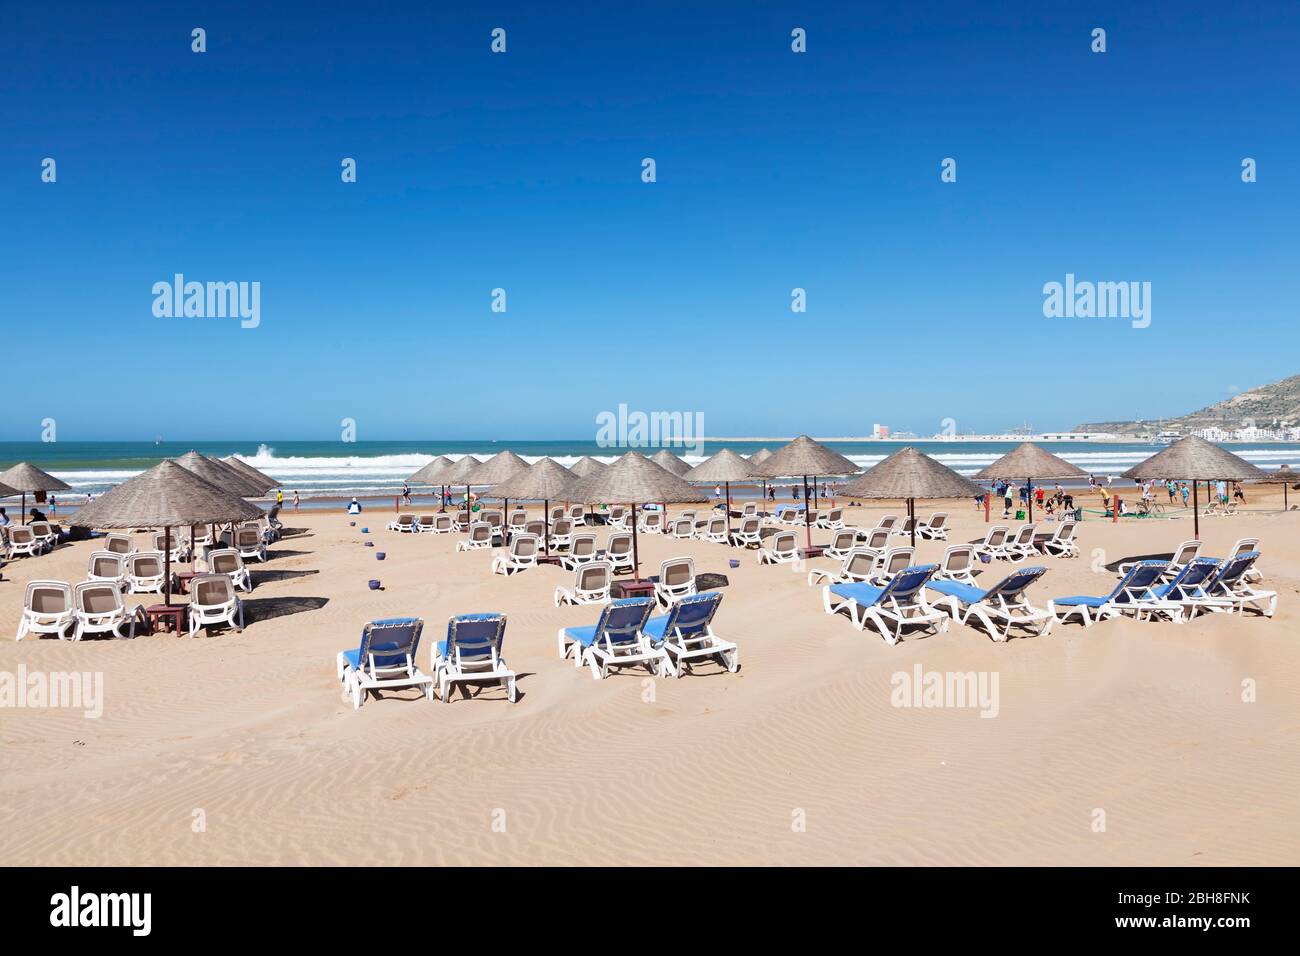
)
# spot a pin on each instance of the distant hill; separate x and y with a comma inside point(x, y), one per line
point(1278, 401)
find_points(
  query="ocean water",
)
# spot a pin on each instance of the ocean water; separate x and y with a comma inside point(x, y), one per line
point(378, 468)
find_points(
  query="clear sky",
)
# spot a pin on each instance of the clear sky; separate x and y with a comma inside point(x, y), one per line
point(522, 171)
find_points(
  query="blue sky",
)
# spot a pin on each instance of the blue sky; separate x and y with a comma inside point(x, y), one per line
point(522, 171)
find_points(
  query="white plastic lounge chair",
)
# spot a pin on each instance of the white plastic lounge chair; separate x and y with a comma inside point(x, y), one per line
point(180, 545)
point(994, 542)
point(682, 529)
point(47, 609)
point(749, 510)
point(714, 532)
point(107, 567)
point(844, 541)
point(228, 562)
point(900, 604)
point(746, 534)
point(616, 517)
point(887, 522)
point(249, 544)
point(472, 653)
point(906, 528)
point(957, 564)
point(1229, 588)
point(534, 527)
point(1184, 554)
point(1242, 546)
point(1060, 543)
point(520, 556)
point(832, 520)
point(1178, 597)
point(618, 551)
point(892, 562)
point(518, 522)
point(999, 608)
point(98, 609)
point(582, 550)
point(403, 523)
point(617, 639)
point(686, 634)
point(578, 515)
point(480, 538)
point(652, 522)
point(558, 513)
point(782, 549)
point(119, 544)
point(384, 661)
point(1019, 546)
point(590, 585)
point(856, 566)
point(144, 572)
point(213, 601)
point(936, 528)
point(1133, 587)
point(562, 533)
point(44, 532)
point(443, 523)
point(676, 580)
point(23, 543)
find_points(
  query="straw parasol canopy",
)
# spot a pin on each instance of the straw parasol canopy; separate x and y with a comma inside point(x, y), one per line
point(725, 466)
point(908, 474)
point(497, 469)
point(248, 471)
point(7, 492)
point(544, 480)
point(24, 477)
point(217, 473)
point(1196, 459)
point(1284, 476)
point(760, 456)
point(459, 470)
point(429, 474)
point(806, 458)
point(168, 495)
point(1028, 461)
point(636, 479)
point(586, 466)
point(667, 460)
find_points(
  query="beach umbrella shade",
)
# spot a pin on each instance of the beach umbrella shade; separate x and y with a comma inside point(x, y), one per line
point(908, 474)
point(806, 458)
point(1284, 476)
point(25, 477)
point(666, 459)
point(634, 479)
point(219, 473)
point(259, 479)
point(166, 495)
point(725, 466)
point(501, 466)
point(7, 492)
point(1030, 462)
point(1196, 459)
point(543, 481)
point(457, 473)
point(760, 456)
point(586, 466)
point(431, 474)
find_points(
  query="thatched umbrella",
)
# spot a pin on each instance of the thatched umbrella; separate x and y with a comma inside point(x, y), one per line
point(431, 474)
point(805, 457)
point(1196, 459)
point(543, 480)
point(586, 466)
point(725, 466)
point(500, 467)
point(756, 459)
point(1028, 461)
point(667, 460)
point(258, 478)
point(909, 474)
point(219, 473)
point(7, 492)
point(1283, 476)
point(166, 495)
point(25, 477)
point(635, 479)
point(457, 472)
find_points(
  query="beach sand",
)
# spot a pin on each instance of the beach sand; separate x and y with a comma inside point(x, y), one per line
point(239, 748)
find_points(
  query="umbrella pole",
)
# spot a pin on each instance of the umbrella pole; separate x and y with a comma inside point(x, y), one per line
point(636, 557)
point(911, 513)
point(546, 525)
point(1029, 486)
point(167, 564)
point(807, 512)
point(726, 505)
point(1196, 513)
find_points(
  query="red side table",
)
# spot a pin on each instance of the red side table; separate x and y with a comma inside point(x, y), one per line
point(171, 614)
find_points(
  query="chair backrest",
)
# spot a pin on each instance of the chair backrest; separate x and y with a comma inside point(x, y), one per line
point(749, 508)
point(878, 538)
point(896, 559)
point(390, 640)
point(406, 519)
point(48, 597)
point(562, 527)
point(118, 543)
point(492, 518)
point(834, 515)
point(442, 521)
point(1137, 581)
point(1233, 569)
point(858, 564)
point(21, 534)
point(41, 529)
point(887, 521)
point(425, 521)
point(248, 538)
point(480, 531)
point(616, 512)
point(475, 636)
point(577, 511)
point(225, 561)
point(692, 614)
point(557, 513)
point(957, 558)
point(844, 539)
point(654, 519)
point(784, 542)
point(594, 576)
point(1194, 573)
point(211, 590)
point(146, 564)
point(717, 526)
point(536, 527)
point(1065, 531)
point(1187, 552)
point(687, 515)
point(1243, 545)
point(677, 571)
point(906, 584)
point(1013, 585)
point(937, 520)
point(1025, 534)
point(619, 543)
point(683, 527)
point(106, 564)
point(749, 527)
point(518, 520)
point(623, 620)
point(524, 546)
point(95, 597)
point(996, 536)
point(160, 541)
point(582, 545)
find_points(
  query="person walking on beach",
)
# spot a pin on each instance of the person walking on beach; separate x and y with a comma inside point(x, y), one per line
point(1183, 490)
point(4, 518)
point(406, 492)
point(1007, 500)
point(1237, 493)
point(279, 497)
point(296, 501)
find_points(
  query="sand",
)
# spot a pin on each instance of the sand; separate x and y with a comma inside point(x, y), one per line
point(239, 748)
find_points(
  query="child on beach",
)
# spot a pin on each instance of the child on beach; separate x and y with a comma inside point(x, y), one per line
point(296, 501)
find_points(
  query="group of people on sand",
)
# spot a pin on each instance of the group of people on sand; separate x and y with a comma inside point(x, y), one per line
point(1049, 503)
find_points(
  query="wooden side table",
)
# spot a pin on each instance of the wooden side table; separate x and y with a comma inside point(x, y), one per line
point(641, 588)
point(171, 614)
point(816, 551)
